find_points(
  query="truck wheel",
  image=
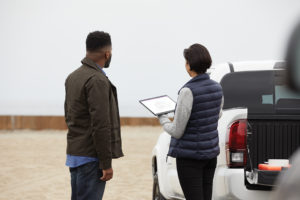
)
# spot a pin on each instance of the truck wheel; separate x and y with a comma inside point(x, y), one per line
point(156, 195)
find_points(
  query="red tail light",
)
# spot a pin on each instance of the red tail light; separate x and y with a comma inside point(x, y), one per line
point(236, 147)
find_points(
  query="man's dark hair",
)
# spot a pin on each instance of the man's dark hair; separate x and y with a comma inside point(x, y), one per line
point(97, 40)
point(198, 58)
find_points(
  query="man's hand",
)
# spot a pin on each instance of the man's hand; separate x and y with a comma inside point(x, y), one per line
point(107, 174)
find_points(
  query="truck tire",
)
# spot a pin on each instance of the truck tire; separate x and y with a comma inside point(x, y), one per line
point(156, 195)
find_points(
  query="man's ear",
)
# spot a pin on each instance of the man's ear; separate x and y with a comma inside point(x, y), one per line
point(106, 55)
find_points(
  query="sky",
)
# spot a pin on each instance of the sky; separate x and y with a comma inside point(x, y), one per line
point(43, 41)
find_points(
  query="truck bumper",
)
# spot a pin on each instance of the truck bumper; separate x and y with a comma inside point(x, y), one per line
point(229, 184)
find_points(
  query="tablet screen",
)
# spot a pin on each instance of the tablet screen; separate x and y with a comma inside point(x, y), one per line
point(159, 105)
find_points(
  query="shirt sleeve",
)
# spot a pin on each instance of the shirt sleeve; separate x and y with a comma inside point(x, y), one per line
point(183, 111)
point(221, 109)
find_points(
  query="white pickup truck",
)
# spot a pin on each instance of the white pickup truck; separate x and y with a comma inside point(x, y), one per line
point(260, 121)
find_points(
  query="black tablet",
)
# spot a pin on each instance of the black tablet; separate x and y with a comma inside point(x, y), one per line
point(159, 105)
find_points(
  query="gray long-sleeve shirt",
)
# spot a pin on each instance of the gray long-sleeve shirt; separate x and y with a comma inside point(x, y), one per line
point(182, 114)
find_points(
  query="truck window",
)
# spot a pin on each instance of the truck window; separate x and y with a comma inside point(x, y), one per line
point(262, 92)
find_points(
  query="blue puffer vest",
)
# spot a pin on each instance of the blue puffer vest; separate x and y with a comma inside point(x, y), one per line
point(200, 140)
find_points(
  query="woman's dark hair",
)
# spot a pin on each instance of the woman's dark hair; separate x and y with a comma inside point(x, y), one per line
point(198, 58)
point(97, 40)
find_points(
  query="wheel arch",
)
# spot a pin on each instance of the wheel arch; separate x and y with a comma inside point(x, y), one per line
point(154, 165)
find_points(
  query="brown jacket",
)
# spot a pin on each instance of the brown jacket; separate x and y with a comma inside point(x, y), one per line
point(92, 115)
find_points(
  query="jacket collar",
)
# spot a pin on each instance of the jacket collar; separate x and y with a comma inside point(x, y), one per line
point(90, 63)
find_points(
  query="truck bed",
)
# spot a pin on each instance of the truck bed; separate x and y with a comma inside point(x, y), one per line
point(272, 139)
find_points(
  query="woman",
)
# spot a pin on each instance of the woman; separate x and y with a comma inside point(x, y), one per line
point(195, 142)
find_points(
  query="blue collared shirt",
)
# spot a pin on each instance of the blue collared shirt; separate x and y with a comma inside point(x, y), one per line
point(76, 161)
point(101, 69)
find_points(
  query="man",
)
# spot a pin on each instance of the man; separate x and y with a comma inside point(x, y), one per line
point(92, 117)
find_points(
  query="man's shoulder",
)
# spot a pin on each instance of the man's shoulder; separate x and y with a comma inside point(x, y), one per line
point(86, 73)
point(76, 72)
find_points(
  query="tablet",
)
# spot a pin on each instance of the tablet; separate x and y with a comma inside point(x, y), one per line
point(159, 105)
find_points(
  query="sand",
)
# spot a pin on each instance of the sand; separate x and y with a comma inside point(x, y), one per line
point(33, 167)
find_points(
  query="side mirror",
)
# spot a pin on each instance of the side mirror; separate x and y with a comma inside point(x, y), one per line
point(293, 60)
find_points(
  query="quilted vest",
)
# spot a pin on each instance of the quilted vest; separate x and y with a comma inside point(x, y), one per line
point(200, 140)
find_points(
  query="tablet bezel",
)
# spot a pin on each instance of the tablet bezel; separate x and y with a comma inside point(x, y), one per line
point(161, 113)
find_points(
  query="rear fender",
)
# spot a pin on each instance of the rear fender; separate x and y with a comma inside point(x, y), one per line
point(228, 117)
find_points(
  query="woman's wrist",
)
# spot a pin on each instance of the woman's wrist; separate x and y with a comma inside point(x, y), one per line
point(163, 119)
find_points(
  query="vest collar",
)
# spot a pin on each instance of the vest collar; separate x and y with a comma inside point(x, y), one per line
point(199, 77)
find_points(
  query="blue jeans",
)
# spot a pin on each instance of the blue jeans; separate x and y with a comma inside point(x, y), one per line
point(86, 183)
